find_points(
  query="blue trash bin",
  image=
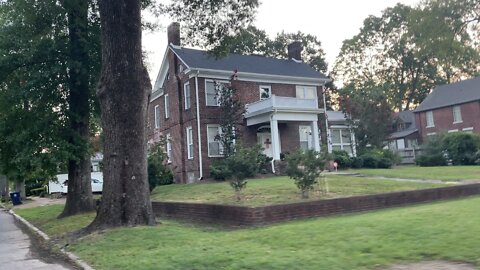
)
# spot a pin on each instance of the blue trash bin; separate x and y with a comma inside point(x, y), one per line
point(16, 199)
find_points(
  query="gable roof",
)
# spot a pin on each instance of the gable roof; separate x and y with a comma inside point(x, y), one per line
point(451, 94)
point(405, 117)
point(256, 64)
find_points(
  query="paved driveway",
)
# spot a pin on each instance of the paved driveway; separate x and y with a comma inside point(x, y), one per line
point(15, 250)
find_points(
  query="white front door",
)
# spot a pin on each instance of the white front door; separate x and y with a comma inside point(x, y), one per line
point(265, 140)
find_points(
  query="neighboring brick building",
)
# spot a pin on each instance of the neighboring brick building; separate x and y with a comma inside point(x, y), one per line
point(450, 108)
point(281, 98)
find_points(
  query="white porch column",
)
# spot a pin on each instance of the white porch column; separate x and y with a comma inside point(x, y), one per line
point(316, 137)
point(275, 139)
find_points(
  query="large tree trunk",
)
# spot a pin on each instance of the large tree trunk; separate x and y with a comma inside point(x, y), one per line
point(20, 187)
point(123, 90)
point(79, 197)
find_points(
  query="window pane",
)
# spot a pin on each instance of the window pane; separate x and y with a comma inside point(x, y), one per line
point(211, 94)
point(346, 138)
point(187, 96)
point(348, 148)
point(300, 93)
point(310, 93)
point(214, 148)
point(265, 92)
point(335, 133)
point(336, 147)
point(303, 145)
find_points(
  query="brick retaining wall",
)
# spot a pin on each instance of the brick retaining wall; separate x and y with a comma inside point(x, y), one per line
point(254, 216)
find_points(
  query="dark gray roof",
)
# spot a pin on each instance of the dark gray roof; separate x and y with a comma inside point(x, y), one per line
point(405, 117)
point(451, 94)
point(403, 133)
point(198, 59)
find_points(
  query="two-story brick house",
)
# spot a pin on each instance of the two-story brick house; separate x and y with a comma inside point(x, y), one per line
point(450, 108)
point(281, 98)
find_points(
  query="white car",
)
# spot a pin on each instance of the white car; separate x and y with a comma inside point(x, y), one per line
point(61, 185)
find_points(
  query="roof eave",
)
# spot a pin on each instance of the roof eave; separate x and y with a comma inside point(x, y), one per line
point(257, 77)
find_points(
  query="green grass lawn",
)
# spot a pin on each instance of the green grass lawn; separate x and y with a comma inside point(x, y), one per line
point(277, 190)
point(446, 230)
point(445, 173)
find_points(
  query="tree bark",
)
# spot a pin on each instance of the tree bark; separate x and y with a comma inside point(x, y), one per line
point(79, 197)
point(123, 90)
point(20, 187)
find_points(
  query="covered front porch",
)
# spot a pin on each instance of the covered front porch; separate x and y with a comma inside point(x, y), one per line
point(297, 117)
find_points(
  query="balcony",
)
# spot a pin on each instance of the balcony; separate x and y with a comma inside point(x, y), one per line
point(285, 108)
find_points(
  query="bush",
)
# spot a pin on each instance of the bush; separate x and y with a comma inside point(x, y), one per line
point(431, 160)
point(304, 167)
point(219, 170)
point(377, 158)
point(158, 172)
point(342, 158)
point(356, 162)
point(369, 160)
point(461, 147)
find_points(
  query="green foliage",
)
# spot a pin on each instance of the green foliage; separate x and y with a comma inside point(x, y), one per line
point(35, 138)
point(368, 113)
point(414, 49)
point(458, 148)
point(305, 167)
point(255, 41)
point(158, 172)
point(379, 158)
point(245, 162)
point(211, 24)
point(342, 158)
point(431, 160)
point(461, 148)
point(231, 117)
point(357, 162)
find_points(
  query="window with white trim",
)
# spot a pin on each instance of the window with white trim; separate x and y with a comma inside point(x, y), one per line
point(157, 116)
point(186, 94)
point(306, 92)
point(305, 134)
point(189, 143)
point(341, 139)
point(212, 91)
point(265, 92)
point(468, 130)
point(169, 148)
point(167, 106)
point(457, 114)
point(215, 148)
point(430, 122)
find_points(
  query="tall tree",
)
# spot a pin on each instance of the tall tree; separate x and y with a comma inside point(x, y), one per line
point(123, 91)
point(408, 51)
point(46, 75)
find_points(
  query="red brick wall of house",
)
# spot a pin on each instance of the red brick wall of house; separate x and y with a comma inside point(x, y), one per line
point(180, 119)
point(443, 119)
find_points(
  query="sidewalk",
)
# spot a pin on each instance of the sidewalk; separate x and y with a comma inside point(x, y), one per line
point(16, 251)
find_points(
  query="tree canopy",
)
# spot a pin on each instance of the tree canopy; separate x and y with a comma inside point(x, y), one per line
point(409, 50)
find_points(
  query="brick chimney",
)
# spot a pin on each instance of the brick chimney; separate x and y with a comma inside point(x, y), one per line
point(173, 33)
point(295, 50)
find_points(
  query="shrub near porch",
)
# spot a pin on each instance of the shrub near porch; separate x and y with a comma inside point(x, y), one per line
point(277, 190)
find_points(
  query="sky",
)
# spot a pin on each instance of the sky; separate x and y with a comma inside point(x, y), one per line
point(331, 21)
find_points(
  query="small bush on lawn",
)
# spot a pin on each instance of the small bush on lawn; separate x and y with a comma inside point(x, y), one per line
point(221, 170)
point(431, 160)
point(379, 158)
point(342, 158)
point(158, 172)
point(357, 162)
point(305, 167)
